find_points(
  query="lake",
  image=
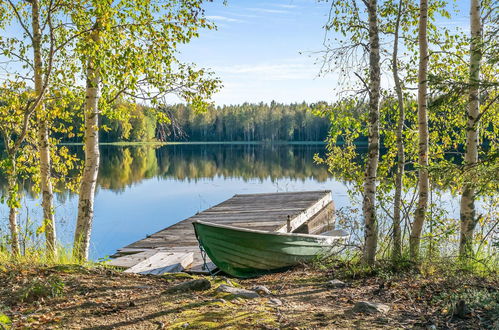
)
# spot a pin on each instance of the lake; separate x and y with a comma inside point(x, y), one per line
point(143, 189)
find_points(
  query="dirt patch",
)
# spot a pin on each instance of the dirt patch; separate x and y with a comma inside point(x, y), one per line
point(101, 298)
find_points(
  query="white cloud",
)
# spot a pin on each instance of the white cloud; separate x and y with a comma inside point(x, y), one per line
point(223, 18)
point(290, 69)
point(246, 15)
point(269, 11)
point(236, 91)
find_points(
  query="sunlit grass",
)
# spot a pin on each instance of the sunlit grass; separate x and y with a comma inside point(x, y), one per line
point(349, 264)
point(37, 256)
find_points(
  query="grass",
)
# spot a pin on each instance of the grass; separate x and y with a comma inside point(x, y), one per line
point(36, 257)
point(38, 288)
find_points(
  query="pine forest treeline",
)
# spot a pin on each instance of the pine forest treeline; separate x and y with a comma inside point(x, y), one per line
point(244, 122)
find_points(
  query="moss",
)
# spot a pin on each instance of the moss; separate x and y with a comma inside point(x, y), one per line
point(178, 276)
point(216, 314)
point(70, 269)
point(4, 320)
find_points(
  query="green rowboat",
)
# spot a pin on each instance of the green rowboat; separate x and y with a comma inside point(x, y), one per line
point(246, 253)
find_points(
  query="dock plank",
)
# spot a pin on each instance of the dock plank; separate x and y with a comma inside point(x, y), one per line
point(163, 262)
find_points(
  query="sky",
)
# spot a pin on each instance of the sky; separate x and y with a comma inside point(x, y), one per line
point(264, 51)
point(268, 50)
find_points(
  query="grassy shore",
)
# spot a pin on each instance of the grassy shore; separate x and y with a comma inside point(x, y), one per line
point(98, 297)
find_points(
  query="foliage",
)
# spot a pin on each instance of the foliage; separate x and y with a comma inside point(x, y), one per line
point(17, 161)
point(485, 299)
point(41, 288)
point(447, 102)
point(137, 54)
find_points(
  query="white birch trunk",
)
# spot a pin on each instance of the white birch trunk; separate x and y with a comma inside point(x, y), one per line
point(92, 155)
point(423, 180)
point(467, 206)
point(369, 198)
point(13, 225)
point(397, 234)
point(43, 138)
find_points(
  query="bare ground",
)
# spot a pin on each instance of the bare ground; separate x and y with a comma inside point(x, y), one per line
point(73, 297)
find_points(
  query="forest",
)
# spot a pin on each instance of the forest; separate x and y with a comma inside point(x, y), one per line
point(245, 122)
point(419, 90)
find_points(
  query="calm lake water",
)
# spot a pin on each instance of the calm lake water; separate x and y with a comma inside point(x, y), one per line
point(144, 189)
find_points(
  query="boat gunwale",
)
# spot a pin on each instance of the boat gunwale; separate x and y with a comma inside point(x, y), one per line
point(275, 233)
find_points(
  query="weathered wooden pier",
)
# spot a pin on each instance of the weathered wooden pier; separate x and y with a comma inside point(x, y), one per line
point(175, 248)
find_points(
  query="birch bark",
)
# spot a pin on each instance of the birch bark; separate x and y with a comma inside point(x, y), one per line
point(369, 198)
point(423, 180)
point(43, 136)
point(13, 225)
point(467, 205)
point(397, 235)
point(92, 156)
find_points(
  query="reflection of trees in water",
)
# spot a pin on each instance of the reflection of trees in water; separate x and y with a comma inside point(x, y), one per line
point(240, 161)
point(123, 166)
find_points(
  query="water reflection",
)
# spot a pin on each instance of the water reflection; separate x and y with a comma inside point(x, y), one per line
point(124, 166)
point(144, 189)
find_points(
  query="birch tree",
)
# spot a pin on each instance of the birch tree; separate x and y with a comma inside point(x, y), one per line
point(423, 175)
point(131, 52)
point(452, 127)
point(92, 155)
point(40, 33)
point(467, 205)
point(43, 131)
point(481, 103)
point(397, 202)
point(397, 24)
point(369, 198)
point(17, 107)
point(349, 56)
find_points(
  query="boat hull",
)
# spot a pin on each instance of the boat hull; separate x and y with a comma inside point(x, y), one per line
point(248, 253)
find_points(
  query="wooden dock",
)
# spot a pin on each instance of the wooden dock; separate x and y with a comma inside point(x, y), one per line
point(304, 212)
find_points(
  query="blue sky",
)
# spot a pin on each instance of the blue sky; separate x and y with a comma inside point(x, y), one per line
point(264, 50)
point(256, 51)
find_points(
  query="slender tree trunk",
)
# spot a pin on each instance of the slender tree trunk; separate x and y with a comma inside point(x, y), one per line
point(92, 155)
point(423, 182)
point(397, 234)
point(14, 231)
point(468, 219)
point(12, 197)
point(369, 200)
point(43, 138)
